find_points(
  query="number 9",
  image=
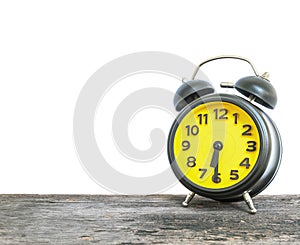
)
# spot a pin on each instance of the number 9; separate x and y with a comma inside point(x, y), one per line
point(185, 145)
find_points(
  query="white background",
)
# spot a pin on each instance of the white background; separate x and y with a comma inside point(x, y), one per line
point(49, 49)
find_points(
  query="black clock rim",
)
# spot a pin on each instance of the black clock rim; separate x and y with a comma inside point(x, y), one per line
point(235, 192)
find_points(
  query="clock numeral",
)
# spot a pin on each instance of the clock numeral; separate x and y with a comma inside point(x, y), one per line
point(191, 162)
point(221, 113)
point(185, 145)
point(245, 163)
point(203, 118)
point(216, 179)
point(234, 175)
point(248, 129)
point(251, 146)
point(194, 130)
point(203, 170)
point(236, 116)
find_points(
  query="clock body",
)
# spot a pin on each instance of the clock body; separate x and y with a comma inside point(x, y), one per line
point(222, 145)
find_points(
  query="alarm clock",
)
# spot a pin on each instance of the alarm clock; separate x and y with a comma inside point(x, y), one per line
point(223, 146)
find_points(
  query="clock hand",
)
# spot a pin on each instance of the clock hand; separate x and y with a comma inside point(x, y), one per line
point(215, 177)
point(218, 146)
point(215, 158)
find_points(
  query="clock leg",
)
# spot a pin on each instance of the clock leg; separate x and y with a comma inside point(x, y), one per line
point(249, 202)
point(188, 199)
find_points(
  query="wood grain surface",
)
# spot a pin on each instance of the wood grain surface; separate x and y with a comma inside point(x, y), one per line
point(160, 219)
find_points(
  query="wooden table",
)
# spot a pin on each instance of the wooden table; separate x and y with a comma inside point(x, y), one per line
point(79, 219)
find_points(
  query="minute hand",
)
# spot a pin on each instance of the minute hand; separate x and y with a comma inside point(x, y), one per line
point(218, 146)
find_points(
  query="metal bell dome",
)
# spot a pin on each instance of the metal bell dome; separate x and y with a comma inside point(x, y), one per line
point(191, 90)
point(260, 88)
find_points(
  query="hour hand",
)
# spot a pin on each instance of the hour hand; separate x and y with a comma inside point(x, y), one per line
point(215, 158)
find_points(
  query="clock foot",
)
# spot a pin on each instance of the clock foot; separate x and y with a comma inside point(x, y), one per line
point(188, 199)
point(249, 202)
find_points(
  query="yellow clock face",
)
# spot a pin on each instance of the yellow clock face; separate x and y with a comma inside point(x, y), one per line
point(216, 145)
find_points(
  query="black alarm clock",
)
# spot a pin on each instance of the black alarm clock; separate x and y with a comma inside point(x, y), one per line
point(223, 146)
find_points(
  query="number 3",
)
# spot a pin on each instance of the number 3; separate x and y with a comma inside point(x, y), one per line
point(251, 146)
